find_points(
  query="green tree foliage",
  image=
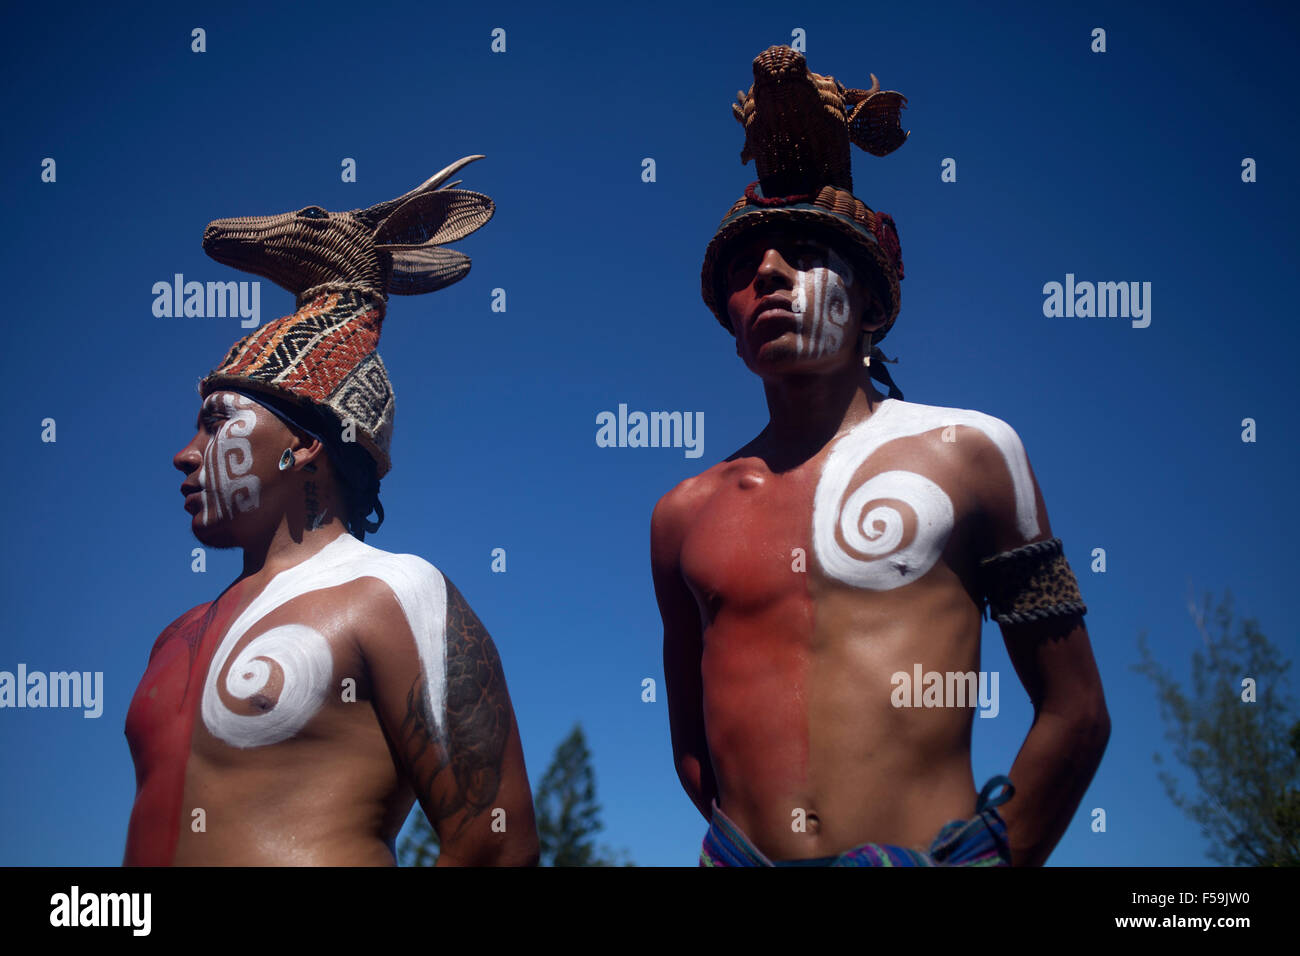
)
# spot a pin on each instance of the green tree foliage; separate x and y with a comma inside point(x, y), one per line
point(1243, 756)
point(568, 816)
point(419, 847)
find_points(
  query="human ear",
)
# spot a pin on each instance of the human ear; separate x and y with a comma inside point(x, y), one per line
point(309, 453)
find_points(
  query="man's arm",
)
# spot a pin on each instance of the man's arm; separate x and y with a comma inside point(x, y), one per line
point(1054, 661)
point(465, 762)
point(683, 648)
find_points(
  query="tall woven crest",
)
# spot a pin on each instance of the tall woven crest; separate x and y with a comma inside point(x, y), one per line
point(798, 129)
point(341, 268)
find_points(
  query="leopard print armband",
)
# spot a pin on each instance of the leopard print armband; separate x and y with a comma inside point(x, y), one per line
point(1032, 583)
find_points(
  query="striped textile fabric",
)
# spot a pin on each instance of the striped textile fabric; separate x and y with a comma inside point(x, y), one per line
point(979, 841)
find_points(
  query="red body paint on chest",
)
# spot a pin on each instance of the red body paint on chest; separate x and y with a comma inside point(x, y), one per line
point(759, 617)
point(159, 726)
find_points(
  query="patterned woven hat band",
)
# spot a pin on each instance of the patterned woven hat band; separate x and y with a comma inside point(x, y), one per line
point(866, 238)
point(321, 356)
point(341, 267)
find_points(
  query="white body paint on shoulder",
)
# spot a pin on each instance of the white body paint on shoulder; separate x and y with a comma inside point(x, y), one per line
point(872, 558)
point(303, 655)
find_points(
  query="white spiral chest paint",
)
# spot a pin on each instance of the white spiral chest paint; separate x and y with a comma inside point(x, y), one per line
point(870, 556)
point(303, 654)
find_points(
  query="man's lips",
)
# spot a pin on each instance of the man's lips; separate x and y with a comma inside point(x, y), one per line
point(774, 316)
point(191, 493)
point(771, 303)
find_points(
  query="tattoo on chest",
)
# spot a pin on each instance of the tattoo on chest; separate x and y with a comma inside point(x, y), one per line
point(477, 720)
point(858, 530)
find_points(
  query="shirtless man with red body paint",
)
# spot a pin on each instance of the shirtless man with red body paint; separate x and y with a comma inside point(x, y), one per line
point(789, 599)
point(296, 718)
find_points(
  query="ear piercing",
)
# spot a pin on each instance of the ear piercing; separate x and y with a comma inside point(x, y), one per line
point(287, 460)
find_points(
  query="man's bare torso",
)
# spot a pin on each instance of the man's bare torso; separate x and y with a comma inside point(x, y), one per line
point(802, 631)
point(299, 769)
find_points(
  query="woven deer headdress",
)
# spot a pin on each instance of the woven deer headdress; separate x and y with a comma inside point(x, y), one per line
point(798, 127)
point(341, 267)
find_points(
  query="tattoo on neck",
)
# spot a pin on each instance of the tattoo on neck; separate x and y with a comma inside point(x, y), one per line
point(315, 516)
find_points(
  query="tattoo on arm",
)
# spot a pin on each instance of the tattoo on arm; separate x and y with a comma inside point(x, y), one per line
point(477, 722)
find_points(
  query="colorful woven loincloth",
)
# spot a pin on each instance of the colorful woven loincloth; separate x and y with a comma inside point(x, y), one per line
point(979, 841)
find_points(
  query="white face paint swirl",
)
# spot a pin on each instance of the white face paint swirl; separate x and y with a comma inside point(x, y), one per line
point(821, 297)
point(224, 475)
point(869, 555)
point(302, 656)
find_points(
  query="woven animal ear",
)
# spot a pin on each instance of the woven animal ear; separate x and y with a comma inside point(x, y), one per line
point(444, 215)
point(426, 269)
point(382, 210)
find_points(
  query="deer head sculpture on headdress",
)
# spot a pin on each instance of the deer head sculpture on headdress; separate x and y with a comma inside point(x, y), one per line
point(341, 267)
point(392, 247)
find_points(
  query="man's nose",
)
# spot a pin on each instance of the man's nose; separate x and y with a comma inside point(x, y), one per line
point(773, 270)
point(188, 458)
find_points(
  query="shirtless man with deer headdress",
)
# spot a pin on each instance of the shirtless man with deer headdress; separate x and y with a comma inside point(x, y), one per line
point(820, 588)
point(296, 718)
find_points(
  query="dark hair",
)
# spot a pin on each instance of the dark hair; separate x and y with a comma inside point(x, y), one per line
point(356, 473)
point(358, 480)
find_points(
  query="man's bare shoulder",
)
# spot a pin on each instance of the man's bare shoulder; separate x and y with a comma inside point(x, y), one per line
point(397, 569)
point(676, 511)
point(387, 589)
point(168, 632)
point(996, 469)
point(979, 424)
point(978, 440)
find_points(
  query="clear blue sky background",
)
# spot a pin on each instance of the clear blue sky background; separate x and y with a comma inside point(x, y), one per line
point(1116, 167)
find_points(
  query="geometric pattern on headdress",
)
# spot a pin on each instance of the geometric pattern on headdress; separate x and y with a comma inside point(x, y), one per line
point(341, 268)
point(324, 356)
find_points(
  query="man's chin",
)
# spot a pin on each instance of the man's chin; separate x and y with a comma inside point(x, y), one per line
point(781, 361)
point(210, 537)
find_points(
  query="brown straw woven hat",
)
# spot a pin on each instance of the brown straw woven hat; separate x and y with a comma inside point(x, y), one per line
point(341, 267)
point(798, 127)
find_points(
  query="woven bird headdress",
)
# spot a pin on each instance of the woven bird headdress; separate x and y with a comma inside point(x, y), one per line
point(798, 128)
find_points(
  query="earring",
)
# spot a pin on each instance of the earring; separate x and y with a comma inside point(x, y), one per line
point(286, 460)
point(866, 359)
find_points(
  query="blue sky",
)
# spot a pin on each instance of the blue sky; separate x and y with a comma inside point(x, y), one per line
point(1123, 166)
